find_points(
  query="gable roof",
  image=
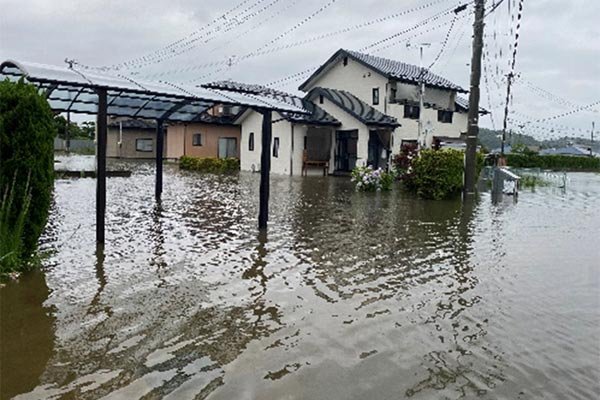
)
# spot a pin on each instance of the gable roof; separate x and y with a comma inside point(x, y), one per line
point(355, 107)
point(463, 104)
point(391, 69)
point(316, 115)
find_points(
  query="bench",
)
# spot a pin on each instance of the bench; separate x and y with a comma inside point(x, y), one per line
point(313, 163)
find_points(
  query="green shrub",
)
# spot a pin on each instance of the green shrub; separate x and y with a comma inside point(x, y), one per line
point(27, 132)
point(553, 162)
point(212, 165)
point(436, 174)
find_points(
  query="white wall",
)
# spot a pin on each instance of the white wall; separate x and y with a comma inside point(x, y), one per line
point(356, 79)
point(348, 123)
point(289, 161)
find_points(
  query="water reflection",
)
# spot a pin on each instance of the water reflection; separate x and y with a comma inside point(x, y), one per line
point(26, 332)
point(359, 295)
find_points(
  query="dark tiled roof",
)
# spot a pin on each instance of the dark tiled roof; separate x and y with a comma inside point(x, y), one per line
point(354, 106)
point(463, 104)
point(317, 115)
point(392, 69)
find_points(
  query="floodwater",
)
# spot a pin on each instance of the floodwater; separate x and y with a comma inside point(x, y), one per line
point(349, 296)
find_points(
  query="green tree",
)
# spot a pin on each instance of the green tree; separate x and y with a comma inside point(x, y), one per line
point(27, 131)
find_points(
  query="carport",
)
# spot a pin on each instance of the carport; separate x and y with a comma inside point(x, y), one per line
point(82, 91)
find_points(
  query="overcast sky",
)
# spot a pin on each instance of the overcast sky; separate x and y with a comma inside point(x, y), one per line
point(557, 59)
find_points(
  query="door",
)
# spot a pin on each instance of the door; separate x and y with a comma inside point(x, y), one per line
point(227, 147)
point(346, 150)
point(378, 149)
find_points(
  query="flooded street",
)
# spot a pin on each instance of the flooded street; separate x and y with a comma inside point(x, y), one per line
point(349, 296)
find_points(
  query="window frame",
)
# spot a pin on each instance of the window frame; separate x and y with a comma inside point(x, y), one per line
point(409, 111)
point(197, 134)
point(251, 141)
point(442, 114)
point(139, 140)
point(375, 93)
point(275, 151)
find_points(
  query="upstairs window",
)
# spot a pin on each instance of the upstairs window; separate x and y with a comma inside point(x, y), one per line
point(305, 142)
point(345, 61)
point(251, 142)
point(197, 139)
point(411, 112)
point(375, 96)
point(143, 145)
point(445, 117)
point(320, 99)
point(276, 147)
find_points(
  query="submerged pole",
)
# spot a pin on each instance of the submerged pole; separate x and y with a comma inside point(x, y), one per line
point(470, 178)
point(101, 165)
point(159, 159)
point(265, 167)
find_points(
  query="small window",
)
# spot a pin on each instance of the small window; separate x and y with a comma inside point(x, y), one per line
point(393, 95)
point(251, 142)
point(276, 147)
point(345, 61)
point(197, 139)
point(143, 145)
point(320, 99)
point(375, 96)
point(411, 112)
point(305, 142)
point(445, 117)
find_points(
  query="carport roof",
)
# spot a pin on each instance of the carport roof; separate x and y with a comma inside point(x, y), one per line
point(71, 89)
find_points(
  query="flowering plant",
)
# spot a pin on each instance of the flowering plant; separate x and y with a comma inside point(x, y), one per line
point(403, 161)
point(368, 179)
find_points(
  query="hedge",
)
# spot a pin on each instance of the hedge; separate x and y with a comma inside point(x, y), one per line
point(27, 132)
point(553, 162)
point(213, 165)
point(438, 174)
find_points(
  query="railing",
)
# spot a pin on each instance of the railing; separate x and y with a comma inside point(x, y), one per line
point(505, 182)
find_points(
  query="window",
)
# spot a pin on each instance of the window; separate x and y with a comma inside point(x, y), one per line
point(375, 96)
point(393, 95)
point(445, 117)
point(320, 99)
point(345, 61)
point(251, 142)
point(227, 147)
point(197, 139)
point(144, 145)
point(305, 142)
point(276, 147)
point(411, 112)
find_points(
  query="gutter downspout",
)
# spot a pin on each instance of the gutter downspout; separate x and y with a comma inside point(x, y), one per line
point(292, 153)
point(120, 144)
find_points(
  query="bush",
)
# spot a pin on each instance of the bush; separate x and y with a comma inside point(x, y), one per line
point(436, 174)
point(27, 132)
point(553, 162)
point(213, 165)
point(369, 180)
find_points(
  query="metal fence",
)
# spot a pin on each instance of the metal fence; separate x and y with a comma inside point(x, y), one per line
point(74, 144)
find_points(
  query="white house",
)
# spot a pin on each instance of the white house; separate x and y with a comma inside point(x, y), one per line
point(392, 88)
point(361, 110)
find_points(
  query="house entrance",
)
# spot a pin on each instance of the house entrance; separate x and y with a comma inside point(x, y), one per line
point(378, 149)
point(346, 150)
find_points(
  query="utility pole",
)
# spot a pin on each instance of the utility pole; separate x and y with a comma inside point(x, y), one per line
point(592, 144)
point(509, 78)
point(473, 116)
point(421, 93)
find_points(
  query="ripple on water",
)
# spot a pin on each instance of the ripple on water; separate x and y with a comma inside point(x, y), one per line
point(349, 296)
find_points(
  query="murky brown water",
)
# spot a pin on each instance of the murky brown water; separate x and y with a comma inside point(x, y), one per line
point(351, 296)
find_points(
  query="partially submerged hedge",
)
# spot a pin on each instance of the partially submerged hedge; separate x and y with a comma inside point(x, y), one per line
point(27, 132)
point(436, 174)
point(213, 165)
point(553, 162)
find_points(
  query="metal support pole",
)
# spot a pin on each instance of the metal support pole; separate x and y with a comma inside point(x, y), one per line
point(68, 133)
point(265, 168)
point(101, 165)
point(159, 159)
point(473, 116)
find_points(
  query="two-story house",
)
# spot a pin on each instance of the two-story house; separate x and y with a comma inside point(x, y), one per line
point(393, 88)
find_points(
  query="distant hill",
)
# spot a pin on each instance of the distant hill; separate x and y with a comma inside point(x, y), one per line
point(491, 139)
